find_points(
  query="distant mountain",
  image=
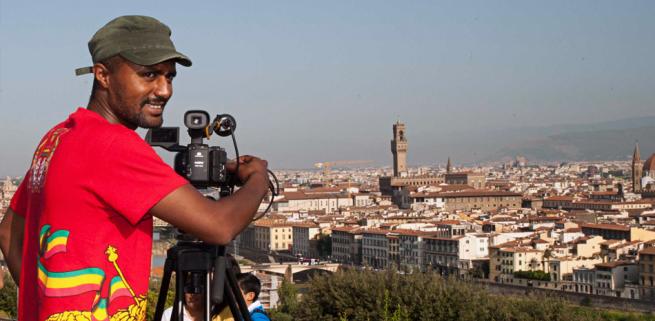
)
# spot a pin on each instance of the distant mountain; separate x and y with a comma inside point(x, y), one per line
point(611, 140)
point(604, 144)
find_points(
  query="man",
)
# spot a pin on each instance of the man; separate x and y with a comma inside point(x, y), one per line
point(194, 304)
point(78, 234)
point(250, 288)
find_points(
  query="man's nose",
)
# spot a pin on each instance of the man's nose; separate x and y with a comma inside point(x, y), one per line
point(164, 88)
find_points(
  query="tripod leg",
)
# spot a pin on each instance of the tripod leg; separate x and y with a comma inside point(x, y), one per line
point(163, 290)
point(178, 304)
point(219, 280)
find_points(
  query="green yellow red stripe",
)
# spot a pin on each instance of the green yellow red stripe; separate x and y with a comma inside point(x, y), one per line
point(59, 284)
point(117, 288)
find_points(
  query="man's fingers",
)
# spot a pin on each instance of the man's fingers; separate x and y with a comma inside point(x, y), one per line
point(231, 165)
point(245, 159)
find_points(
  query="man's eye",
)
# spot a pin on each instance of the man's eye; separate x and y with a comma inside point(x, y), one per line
point(150, 74)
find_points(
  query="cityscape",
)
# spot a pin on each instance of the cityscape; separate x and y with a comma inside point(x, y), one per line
point(436, 160)
point(586, 229)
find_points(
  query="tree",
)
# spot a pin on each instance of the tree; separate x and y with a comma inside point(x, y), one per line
point(8, 298)
point(288, 304)
point(324, 245)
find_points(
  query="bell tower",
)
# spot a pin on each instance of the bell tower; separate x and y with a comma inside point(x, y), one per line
point(399, 150)
point(636, 170)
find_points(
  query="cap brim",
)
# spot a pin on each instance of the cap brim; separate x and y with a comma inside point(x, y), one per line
point(148, 57)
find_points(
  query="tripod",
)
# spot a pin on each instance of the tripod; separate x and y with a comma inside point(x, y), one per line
point(207, 266)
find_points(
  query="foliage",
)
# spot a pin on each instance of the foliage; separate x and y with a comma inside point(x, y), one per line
point(324, 246)
point(153, 295)
point(288, 295)
point(368, 295)
point(532, 275)
point(8, 297)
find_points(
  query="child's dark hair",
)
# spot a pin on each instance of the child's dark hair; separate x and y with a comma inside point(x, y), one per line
point(249, 283)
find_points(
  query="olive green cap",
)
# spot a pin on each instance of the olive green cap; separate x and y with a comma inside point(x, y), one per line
point(139, 39)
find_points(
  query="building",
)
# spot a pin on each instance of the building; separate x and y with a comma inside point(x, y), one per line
point(347, 245)
point(584, 280)
point(393, 240)
point(647, 272)
point(572, 204)
point(271, 235)
point(455, 255)
point(586, 246)
point(410, 249)
point(612, 277)
point(375, 248)
point(561, 269)
point(390, 184)
point(393, 185)
point(399, 150)
point(305, 201)
point(7, 190)
point(473, 179)
point(617, 232)
point(441, 254)
point(505, 259)
point(480, 199)
point(636, 170)
point(305, 238)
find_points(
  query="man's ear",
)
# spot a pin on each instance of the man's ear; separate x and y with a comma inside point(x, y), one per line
point(250, 296)
point(101, 73)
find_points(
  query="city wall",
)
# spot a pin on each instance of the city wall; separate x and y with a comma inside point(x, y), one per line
point(596, 301)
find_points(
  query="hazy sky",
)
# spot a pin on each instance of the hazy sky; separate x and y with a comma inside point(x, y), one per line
point(316, 81)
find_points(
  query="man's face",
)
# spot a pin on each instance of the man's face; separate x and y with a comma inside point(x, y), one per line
point(194, 302)
point(138, 94)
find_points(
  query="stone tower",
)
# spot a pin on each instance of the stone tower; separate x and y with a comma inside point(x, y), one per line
point(399, 150)
point(449, 167)
point(636, 170)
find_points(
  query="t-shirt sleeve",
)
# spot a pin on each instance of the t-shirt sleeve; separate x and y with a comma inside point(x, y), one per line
point(21, 197)
point(132, 178)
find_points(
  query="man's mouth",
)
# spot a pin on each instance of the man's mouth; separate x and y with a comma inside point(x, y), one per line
point(155, 106)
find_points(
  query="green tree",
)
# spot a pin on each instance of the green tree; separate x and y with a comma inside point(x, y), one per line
point(8, 299)
point(153, 295)
point(368, 295)
point(324, 245)
point(288, 304)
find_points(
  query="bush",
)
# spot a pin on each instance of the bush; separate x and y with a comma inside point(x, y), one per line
point(533, 275)
point(8, 298)
point(368, 295)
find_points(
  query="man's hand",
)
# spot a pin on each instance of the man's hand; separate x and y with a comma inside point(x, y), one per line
point(249, 166)
point(11, 242)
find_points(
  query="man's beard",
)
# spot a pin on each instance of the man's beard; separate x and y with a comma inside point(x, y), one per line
point(141, 120)
point(143, 123)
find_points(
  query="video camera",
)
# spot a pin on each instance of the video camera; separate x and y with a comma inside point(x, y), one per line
point(201, 164)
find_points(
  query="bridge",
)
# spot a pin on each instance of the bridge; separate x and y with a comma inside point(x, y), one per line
point(281, 268)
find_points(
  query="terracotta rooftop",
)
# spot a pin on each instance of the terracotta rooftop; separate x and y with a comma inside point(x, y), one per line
point(648, 250)
point(614, 227)
point(613, 264)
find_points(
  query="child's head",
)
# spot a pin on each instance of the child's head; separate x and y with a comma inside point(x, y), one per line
point(250, 287)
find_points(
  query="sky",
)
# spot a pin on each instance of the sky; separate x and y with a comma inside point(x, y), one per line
point(311, 81)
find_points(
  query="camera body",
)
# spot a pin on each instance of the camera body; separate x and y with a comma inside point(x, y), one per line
point(203, 165)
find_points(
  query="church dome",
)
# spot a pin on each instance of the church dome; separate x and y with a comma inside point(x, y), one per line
point(649, 165)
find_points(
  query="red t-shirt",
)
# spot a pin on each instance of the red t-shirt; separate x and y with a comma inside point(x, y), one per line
point(88, 234)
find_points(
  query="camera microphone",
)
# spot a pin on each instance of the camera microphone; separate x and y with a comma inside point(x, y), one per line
point(224, 125)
